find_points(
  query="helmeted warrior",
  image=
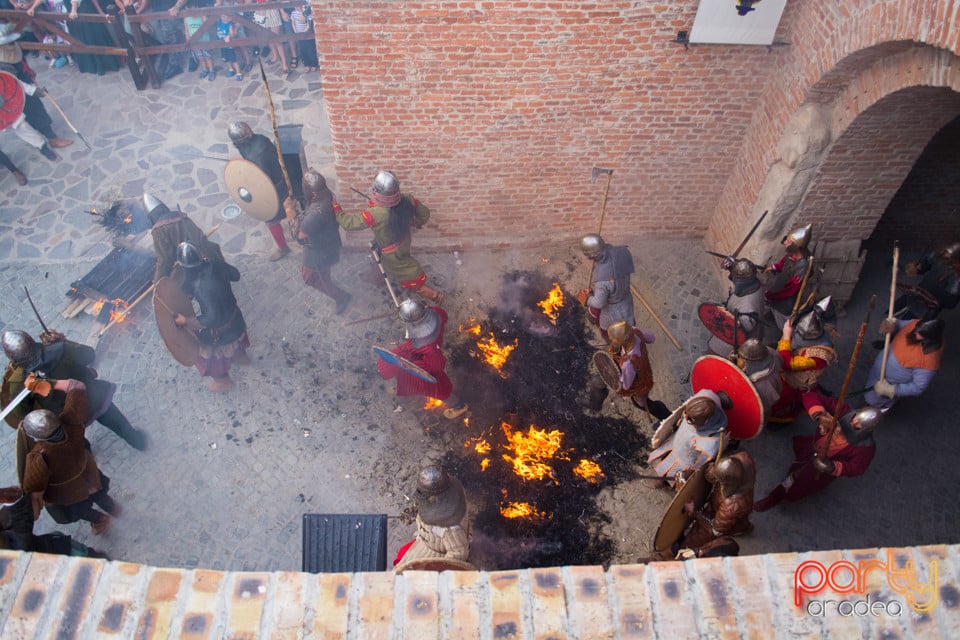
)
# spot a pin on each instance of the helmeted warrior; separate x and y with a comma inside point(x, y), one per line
point(259, 150)
point(628, 345)
point(423, 347)
point(938, 289)
point(698, 438)
point(320, 236)
point(912, 362)
point(805, 351)
point(745, 303)
point(169, 229)
point(220, 327)
point(727, 512)
point(849, 450)
point(788, 273)
point(763, 366)
point(391, 214)
point(35, 127)
point(610, 299)
point(53, 464)
point(443, 529)
point(61, 359)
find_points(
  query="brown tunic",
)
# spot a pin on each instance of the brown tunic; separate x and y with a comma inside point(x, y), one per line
point(64, 472)
point(440, 542)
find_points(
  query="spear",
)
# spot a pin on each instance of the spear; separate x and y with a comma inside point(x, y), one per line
point(276, 138)
point(893, 293)
point(65, 118)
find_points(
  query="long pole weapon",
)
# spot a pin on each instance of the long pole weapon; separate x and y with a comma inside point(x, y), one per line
point(803, 285)
point(65, 118)
point(603, 209)
point(893, 292)
point(276, 138)
point(825, 445)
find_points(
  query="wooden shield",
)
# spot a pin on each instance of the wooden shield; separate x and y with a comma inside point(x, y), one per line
point(608, 369)
point(168, 301)
point(434, 564)
point(747, 417)
point(391, 358)
point(675, 521)
point(11, 99)
point(721, 323)
point(252, 189)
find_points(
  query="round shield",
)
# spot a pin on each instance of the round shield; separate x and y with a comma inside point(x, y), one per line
point(747, 417)
point(434, 564)
point(675, 521)
point(11, 99)
point(391, 358)
point(721, 323)
point(608, 369)
point(252, 189)
point(168, 301)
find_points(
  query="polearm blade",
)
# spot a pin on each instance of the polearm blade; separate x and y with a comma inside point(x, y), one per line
point(14, 403)
point(65, 118)
point(37, 313)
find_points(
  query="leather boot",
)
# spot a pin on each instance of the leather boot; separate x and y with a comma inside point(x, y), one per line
point(21, 179)
point(776, 497)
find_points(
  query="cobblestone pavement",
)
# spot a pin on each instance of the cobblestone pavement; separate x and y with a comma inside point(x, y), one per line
point(310, 429)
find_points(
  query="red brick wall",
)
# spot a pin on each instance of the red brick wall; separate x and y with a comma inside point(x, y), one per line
point(494, 112)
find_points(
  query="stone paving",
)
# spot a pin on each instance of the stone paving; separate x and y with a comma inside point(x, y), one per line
point(309, 429)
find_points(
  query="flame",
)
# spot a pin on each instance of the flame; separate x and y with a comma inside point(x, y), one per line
point(433, 403)
point(588, 470)
point(495, 354)
point(552, 304)
point(119, 311)
point(520, 510)
point(484, 464)
point(95, 309)
point(128, 219)
point(531, 450)
point(474, 329)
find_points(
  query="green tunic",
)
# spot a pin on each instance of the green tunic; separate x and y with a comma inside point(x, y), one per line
point(395, 252)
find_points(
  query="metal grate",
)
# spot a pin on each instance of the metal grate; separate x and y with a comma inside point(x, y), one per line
point(344, 543)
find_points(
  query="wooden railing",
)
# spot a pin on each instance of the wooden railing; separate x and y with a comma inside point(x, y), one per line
point(140, 57)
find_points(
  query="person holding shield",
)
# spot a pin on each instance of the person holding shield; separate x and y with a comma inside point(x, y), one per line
point(628, 345)
point(424, 327)
point(698, 436)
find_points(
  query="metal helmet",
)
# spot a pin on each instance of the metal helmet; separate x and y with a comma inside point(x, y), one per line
point(440, 498)
point(752, 350)
point(41, 424)
point(800, 236)
point(699, 409)
point(239, 132)
point(156, 209)
point(592, 245)
point(419, 320)
point(187, 256)
point(386, 183)
point(931, 330)
point(951, 252)
point(811, 324)
point(20, 347)
point(313, 184)
point(730, 473)
point(743, 269)
point(868, 417)
point(621, 335)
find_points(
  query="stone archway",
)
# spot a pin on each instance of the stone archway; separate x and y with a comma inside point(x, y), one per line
point(846, 150)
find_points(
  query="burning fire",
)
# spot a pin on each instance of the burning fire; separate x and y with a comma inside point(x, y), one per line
point(118, 309)
point(97, 306)
point(520, 510)
point(552, 304)
point(589, 471)
point(474, 329)
point(531, 450)
point(433, 403)
point(495, 354)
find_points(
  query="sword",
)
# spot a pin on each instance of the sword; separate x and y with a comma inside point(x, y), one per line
point(737, 251)
point(37, 313)
point(14, 403)
point(65, 118)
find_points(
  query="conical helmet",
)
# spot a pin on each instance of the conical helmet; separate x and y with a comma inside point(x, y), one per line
point(239, 132)
point(810, 325)
point(800, 236)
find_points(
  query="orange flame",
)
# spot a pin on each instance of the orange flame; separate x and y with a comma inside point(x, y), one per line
point(484, 464)
point(520, 510)
point(97, 306)
point(495, 354)
point(433, 403)
point(474, 329)
point(552, 304)
point(589, 471)
point(119, 311)
point(531, 450)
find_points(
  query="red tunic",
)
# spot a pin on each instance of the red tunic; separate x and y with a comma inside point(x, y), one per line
point(429, 358)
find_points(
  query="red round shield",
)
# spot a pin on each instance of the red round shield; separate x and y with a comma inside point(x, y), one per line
point(746, 418)
point(11, 99)
point(720, 322)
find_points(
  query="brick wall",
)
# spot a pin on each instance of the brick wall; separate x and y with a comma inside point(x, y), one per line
point(494, 112)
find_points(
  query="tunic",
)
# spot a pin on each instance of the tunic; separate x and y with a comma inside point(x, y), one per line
point(611, 287)
point(909, 369)
point(395, 251)
point(263, 153)
point(440, 542)
point(786, 283)
point(167, 236)
point(636, 375)
point(428, 357)
point(689, 448)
